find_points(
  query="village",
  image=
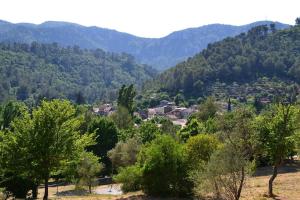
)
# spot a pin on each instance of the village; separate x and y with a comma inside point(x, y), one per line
point(177, 114)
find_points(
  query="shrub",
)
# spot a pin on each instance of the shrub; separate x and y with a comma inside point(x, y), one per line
point(130, 177)
point(164, 168)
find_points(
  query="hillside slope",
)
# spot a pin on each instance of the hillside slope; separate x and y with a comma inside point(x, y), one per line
point(262, 62)
point(30, 72)
point(160, 53)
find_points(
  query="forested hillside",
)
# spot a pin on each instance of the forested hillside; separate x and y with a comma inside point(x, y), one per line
point(31, 72)
point(160, 53)
point(264, 61)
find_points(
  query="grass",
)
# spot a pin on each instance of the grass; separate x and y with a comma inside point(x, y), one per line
point(286, 184)
point(286, 187)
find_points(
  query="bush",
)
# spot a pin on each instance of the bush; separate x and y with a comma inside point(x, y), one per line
point(125, 153)
point(130, 177)
point(18, 186)
point(199, 148)
point(164, 168)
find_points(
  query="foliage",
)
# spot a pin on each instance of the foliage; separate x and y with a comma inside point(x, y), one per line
point(226, 170)
point(238, 62)
point(87, 170)
point(125, 98)
point(30, 72)
point(126, 134)
point(125, 153)
point(42, 141)
point(11, 110)
point(106, 138)
point(224, 175)
point(130, 177)
point(275, 131)
point(161, 53)
point(179, 99)
point(199, 149)
point(194, 127)
point(164, 168)
point(148, 131)
point(122, 118)
point(207, 109)
point(168, 127)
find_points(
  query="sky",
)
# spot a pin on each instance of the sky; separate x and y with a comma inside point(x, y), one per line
point(149, 18)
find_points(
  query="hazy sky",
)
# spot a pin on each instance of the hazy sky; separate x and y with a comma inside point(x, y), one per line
point(149, 18)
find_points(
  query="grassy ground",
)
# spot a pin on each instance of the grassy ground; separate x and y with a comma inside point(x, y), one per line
point(286, 187)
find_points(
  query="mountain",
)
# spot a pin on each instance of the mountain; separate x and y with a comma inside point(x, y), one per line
point(30, 72)
point(160, 53)
point(263, 62)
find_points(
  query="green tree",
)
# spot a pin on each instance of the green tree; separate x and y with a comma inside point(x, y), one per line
point(194, 127)
point(207, 109)
point(179, 99)
point(88, 169)
point(43, 141)
point(275, 132)
point(199, 148)
point(122, 118)
point(125, 153)
point(223, 175)
point(238, 134)
point(130, 177)
point(164, 168)
point(148, 131)
point(126, 98)
point(11, 111)
point(106, 138)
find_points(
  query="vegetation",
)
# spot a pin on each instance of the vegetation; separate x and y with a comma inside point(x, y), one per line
point(213, 156)
point(160, 53)
point(275, 131)
point(125, 98)
point(263, 62)
point(31, 72)
point(106, 138)
point(38, 145)
point(88, 169)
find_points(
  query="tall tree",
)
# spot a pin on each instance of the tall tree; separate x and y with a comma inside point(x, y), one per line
point(88, 169)
point(207, 109)
point(126, 98)
point(41, 141)
point(107, 137)
point(122, 118)
point(275, 129)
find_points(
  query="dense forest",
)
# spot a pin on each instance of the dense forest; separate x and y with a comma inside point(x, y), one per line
point(235, 65)
point(36, 71)
point(158, 52)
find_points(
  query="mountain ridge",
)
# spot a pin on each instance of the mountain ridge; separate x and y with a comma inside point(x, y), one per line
point(161, 53)
point(262, 63)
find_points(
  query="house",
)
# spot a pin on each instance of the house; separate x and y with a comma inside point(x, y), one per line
point(151, 113)
point(180, 122)
point(143, 114)
point(178, 112)
point(185, 113)
point(103, 110)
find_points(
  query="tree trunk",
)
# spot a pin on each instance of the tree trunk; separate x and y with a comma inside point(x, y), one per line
point(46, 189)
point(90, 188)
point(34, 191)
point(238, 195)
point(275, 172)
